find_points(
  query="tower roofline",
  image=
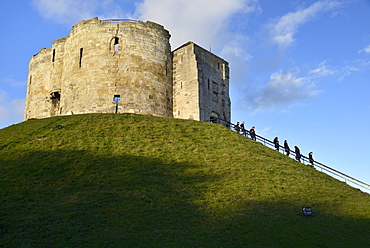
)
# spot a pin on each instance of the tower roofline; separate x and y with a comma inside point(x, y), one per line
point(195, 45)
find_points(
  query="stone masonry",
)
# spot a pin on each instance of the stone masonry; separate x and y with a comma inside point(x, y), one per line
point(117, 66)
point(200, 84)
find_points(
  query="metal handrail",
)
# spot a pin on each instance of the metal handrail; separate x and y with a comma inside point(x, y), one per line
point(347, 179)
point(119, 20)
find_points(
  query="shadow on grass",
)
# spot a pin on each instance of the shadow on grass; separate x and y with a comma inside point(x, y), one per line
point(79, 199)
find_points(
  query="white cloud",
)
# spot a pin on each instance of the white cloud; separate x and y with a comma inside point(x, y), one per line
point(348, 70)
point(365, 50)
point(236, 52)
point(352, 67)
point(204, 22)
point(66, 11)
point(322, 70)
point(10, 111)
point(73, 11)
point(341, 71)
point(283, 89)
point(283, 31)
point(237, 47)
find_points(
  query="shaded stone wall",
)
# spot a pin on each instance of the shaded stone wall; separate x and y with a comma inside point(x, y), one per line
point(201, 84)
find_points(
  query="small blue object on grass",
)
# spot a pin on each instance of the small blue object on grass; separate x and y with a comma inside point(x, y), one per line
point(307, 211)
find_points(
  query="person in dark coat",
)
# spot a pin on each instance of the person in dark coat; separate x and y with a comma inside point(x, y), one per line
point(276, 142)
point(297, 153)
point(310, 157)
point(242, 128)
point(286, 147)
point(252, 133)
point(237, 127)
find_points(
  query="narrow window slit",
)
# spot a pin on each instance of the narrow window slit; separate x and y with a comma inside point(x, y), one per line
point(116, 39)
point(53, 57)
point(81, 52)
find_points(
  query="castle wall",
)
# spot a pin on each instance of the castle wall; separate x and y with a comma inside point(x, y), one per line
point(201, 84)
point(126, 67)
point(37, 97)
point(99, 60)
point(185, 84)
point(213, 76)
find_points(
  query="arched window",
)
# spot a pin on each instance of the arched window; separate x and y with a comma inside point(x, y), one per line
point(55, 102)
point(214, 117)
point(114, 45)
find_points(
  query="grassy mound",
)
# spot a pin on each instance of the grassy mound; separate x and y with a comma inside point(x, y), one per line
point(125, 180)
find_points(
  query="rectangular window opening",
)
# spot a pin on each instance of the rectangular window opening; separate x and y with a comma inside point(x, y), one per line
point(117, 98)
point(55, 102)
point(116, 39)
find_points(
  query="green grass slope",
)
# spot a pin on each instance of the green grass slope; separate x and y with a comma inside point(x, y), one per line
point(124, 180)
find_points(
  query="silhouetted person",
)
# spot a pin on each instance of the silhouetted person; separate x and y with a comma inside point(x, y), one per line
point(297, 154)
point(286, 147)
point(252, 133)
point(276, 142)
point(310, 157)
point(236, 127)
point(242, 128)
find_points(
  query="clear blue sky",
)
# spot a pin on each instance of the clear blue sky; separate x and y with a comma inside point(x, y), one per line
point(299, 70)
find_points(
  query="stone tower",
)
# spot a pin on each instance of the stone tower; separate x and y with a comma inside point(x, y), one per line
point(120, 66)
point(200, 84)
